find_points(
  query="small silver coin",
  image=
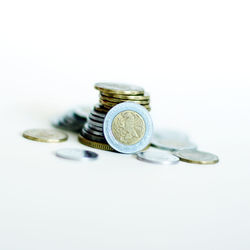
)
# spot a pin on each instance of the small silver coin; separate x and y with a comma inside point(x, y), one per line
point(157, 156)
point(171, 140)
point(96, 118)
point(76, 154)
point(128, 127)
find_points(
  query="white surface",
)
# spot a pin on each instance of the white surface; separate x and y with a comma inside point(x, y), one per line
point(192, 57)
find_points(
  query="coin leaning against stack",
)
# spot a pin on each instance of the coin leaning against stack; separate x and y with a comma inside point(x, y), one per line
point(111, 94)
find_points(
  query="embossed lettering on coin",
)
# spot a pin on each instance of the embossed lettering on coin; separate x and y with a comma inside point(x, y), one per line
point(128, 127)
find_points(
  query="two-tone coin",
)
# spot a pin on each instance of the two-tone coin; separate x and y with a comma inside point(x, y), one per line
point(128, 127)
point(195, 156)
point(157, 156)
point(171, 140)
point(76, 154)
point(45, 135)
point(119, 88)
point(144, 97)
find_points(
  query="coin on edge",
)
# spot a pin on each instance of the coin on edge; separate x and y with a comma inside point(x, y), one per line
point(45, 135)
point(76, 154)
point(195, 156)
point(157, 156)
point(128, 127)
point(119, 88)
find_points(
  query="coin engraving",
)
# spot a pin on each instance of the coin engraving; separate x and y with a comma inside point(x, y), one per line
point(128, 127)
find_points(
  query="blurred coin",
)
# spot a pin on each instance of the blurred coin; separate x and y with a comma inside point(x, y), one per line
point(96, 128)
point(93, 144)
point(157, 156)
point(195, 156)
point(96, 118)
point(95, 123)
point(45, 135)
point(119, 88)
point(101, 115)
point(171, 140)
point(76, 154)
point(101, 109)
point(93, 131)
point(115, 101)
point(82, 112)
point(92, 137)
point(144, 97)
point(128, 127)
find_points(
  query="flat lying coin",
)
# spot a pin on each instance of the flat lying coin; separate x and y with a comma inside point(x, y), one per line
point(171, 140)
point(93, 131)
point(92, 126)
point(92, 137)
point(45, 135)
point(157, 156)
point(98, 114)
point(76, 154)
point(195, 156)
point(114, 101)
point(96, 118)
point(144, 97)
point(101, 109)
point(119, 88)
point(128, 127)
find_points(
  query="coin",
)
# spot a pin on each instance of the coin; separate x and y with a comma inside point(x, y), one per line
point(95, 123)
point(93, 131)
point(76, 154)
point(157, 156)
point(128, 127)
point(171, 140)
point(92, 137)
point(96, 118)
point(101, 109)
point(45, 135)
point(195, 156)
point(93, 144)
point(96, 128)
point(98, 114)
point(144, 97)
point(115, 101)
point(119, 88)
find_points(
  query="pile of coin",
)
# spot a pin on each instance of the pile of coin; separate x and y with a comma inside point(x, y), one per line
point(111, 94)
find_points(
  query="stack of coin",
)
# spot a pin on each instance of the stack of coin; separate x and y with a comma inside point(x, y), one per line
point(111, 94)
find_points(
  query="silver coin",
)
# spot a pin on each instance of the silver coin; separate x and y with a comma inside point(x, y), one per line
point(157, 156)
point(195, 156)
point(95, 123)
point(96, 118)
point(98, 114)
point(76, 154)
point(171, 140)
point(95, 127)
point(128, 127)
point(92, 131)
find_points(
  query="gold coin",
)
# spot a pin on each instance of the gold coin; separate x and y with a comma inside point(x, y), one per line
point(93, 144)
point(45, 135)
point(144, 97)
point(119, 88)
point(115, 100)
point(128, 127)
point(195, 156)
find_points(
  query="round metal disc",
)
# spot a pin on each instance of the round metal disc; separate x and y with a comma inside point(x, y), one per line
point(92, 137)
point(128, 127)
point(96, 118)
point(195, 156)
point(92, 131)
point(76, 154)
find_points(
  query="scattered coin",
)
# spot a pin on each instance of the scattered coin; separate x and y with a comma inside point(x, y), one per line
point(119, 88)
point(45, 135)
point(157, 156)
point(128, 127)
point(171, 140)
point(76, 154)
point(195, 156)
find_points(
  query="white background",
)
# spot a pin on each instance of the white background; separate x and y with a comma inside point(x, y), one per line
point(193, 59)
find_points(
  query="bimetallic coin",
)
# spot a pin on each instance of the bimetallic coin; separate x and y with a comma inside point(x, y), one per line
point(128, 127)
point(101, 109)
point(119, 88)
point(195, 156)
point(92, 137)
point(157, 156)
point(45, 135)
point(171, 140)
point(93, 144)
point(115, 101)
point(92, 131)
point(144, 97)
point(76, 154)
point(96, 118)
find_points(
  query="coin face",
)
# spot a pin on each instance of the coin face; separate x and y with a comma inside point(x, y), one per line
point(171, 140)
point(119, 88)
point(128, 127)
point(157, 156)
point(76, 154)
point(45, 135)
point(195, 156)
